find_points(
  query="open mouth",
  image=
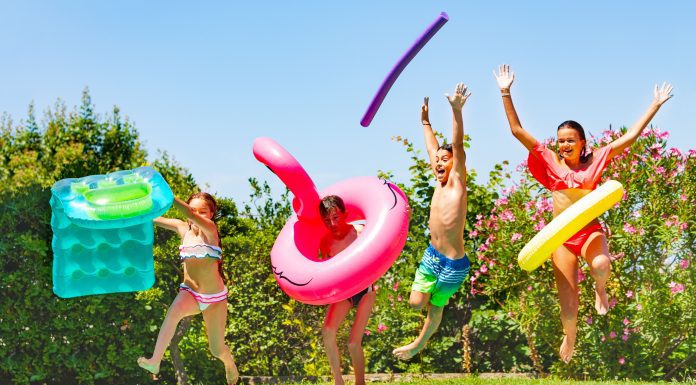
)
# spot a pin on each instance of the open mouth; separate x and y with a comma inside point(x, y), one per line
point(440, 172)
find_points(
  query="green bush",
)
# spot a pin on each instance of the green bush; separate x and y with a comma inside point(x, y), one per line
point(502, 320)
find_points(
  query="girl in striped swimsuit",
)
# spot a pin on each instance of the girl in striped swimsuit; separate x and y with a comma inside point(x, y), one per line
point(203, 289)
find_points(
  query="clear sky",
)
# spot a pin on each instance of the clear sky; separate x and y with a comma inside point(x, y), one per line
point(201, 80)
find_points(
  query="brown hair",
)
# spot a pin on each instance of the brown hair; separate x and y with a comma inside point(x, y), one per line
point(212, 204)
point(329, 202)
point(446, 147)
point(573, 125)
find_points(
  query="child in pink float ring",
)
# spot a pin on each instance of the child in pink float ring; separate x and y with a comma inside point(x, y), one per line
point(571, 174)
point(341, 234)
point(203, 290)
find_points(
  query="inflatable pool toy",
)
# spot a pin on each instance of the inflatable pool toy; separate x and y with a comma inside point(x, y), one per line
point(567, 223)
point(399, 67)
point(295, 255)
point(103, 233)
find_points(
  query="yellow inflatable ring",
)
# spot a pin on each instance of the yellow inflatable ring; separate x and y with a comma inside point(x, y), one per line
point(567, 223)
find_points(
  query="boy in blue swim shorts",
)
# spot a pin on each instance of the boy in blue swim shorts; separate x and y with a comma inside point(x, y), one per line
point(444, 265)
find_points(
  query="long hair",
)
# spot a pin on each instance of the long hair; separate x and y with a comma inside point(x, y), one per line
point(585, 155)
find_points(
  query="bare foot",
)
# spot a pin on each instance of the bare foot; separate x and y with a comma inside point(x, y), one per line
point(148, 365)
point(407, 352)
point(601, 302)
point(232, 374)
point(567, 349)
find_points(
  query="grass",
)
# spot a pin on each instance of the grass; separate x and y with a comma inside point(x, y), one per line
point(492, 381)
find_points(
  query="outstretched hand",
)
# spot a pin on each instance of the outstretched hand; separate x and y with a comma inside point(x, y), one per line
point(459, 98)
point(505, 77)
point(424, 111)
point(662, 94)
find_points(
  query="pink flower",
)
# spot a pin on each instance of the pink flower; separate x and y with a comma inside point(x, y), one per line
point(639, 307)
point(683, 198)
point(529, 288)
point(491, 263)
point(396, 286)
point(612, 303)
point(629, 229)
point(507, 215)
point(515, 237)
point(540, 225)
point(509, 190)
point(622, 360)
point(581, 276)
point(612, 334)
point(501, 201)
point(367, 332)
point(484, 268)
point(589, 320)
point(624, 337)
point(399, 298)
point(684, 264)
point(381, 327)
point(603, 338)
point(683, 226)
point(676, 287)
point(626, 321)
point(473, 234)
point(629, 294)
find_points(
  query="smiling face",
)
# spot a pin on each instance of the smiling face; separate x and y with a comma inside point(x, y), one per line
point(570, 144)
point(443, 165)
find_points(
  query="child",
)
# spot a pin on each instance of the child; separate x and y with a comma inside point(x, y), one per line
point(570, 175)
point(341, 234)
point(444, 264)
point(203, 289)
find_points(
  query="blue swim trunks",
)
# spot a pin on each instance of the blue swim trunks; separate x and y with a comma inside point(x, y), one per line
point(440, 276)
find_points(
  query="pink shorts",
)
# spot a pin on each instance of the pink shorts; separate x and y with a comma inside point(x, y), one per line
point(577, 241)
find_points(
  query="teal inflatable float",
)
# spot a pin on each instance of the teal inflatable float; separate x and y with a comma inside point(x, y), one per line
point(103, 232)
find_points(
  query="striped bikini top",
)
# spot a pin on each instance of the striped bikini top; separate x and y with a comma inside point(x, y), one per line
point(201, 250)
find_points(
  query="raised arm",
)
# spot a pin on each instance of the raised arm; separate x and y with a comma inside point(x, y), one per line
point(208, 226)
point(505, 77)
point(458, 155)
point(431, 143)
point(660, 96)
point(172, 224)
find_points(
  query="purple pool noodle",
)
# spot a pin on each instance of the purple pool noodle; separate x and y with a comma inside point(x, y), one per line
point(400, 65)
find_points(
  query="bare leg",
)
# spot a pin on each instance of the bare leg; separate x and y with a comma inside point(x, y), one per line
point(215, 317)
point(596, 254)
point(184, 305)
point(565, 268)
point(335, 315)
point(432, 322)
point(357, 356)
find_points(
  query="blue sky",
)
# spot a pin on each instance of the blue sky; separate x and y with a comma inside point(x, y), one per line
point(201, 80)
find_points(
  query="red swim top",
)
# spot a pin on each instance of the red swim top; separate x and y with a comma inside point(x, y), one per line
point(543, 166)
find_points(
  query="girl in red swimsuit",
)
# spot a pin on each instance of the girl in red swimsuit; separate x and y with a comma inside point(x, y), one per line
point(570, 174)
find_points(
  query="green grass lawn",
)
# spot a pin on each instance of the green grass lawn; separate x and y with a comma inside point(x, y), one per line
point(493, 381)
